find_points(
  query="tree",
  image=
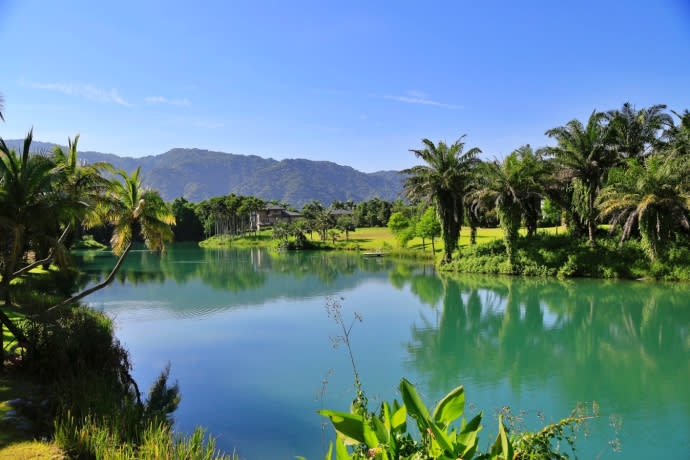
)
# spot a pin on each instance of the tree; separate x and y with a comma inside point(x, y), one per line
point(654, 194)
point(333, 235)
point(514, 185)
point(129, 207)
point(635, 132)
point(443, 181)
point(188, 226)
point(586, 158)
point(399, 226)
point(30, 205)
point(2, 107)
point(429, 227)
point(345, 224)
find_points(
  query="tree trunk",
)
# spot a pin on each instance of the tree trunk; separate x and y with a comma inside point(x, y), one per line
point(95, 288)
point(19, 335)
point(473, 235)
point(423, 245)
point(433, 248)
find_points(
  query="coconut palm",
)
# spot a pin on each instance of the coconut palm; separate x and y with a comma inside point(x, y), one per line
point(514, 185)
point(129, 207)
point(586, 158)
point(654, 194)
point(635, 133)
point(30, 203)
point(443, 181)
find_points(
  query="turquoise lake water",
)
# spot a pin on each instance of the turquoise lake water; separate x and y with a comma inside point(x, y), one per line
point(249, 340)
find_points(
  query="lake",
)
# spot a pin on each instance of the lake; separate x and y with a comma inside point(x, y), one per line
point(249, 340)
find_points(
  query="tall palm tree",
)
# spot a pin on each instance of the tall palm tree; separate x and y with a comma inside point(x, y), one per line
point(2, 107)
point(586, 158)
point(514, 185)
point(29, 203)
point(443, 181)
point(129, 207)
point(654, 194)
point(635, 133)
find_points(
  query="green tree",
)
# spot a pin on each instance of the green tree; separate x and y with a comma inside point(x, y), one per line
point(129, 207)
point(429, 227)
point(444, 181)
point(635, 133)
point(188, 226)
point(30, 205)
point(333, 235)
point(345, 224)
point(654, 194)
point(513, 185)
point(585, 157)
point(399, 226)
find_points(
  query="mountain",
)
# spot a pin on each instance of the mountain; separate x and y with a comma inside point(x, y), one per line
point(201, 174)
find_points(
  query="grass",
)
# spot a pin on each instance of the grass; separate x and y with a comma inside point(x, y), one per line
point(35, 450)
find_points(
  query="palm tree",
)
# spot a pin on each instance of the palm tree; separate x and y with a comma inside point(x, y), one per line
point(30, 203)
point(2, 107)
point(443, 181)
point(585, 157)
point(127, 207)
point(514, 185)
point(635, 132)
point(678, 136)
point(654, 194)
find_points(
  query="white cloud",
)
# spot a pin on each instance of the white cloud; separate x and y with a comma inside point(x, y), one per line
point(77, 89)
point(417, 97)
point(163, 100)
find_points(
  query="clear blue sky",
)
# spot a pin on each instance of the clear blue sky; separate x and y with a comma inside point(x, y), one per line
point(354, 82)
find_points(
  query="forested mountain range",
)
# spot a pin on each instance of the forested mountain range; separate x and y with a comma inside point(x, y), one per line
point(201, 174)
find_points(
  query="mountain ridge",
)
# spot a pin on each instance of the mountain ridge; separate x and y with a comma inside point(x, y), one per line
point(198, 174)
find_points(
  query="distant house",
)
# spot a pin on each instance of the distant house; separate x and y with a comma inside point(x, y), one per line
point(274, 214)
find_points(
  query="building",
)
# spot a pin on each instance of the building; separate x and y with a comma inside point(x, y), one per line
point(273, 214)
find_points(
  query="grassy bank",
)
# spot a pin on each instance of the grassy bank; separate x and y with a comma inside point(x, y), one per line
point(564, 256)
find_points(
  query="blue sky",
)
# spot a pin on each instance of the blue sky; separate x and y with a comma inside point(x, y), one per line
point(357, 83)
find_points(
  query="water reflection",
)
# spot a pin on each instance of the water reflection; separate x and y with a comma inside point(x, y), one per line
point(592, 337)
point(515, 341)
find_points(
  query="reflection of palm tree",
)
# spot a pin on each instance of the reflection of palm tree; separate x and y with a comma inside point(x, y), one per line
point(616, 331)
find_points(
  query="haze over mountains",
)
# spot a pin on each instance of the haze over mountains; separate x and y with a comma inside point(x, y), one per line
point(201, 174)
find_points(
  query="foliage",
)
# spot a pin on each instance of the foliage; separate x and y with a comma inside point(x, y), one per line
point(429, 226)
point(655, 194)
point(188, 226)
point(443, 180)
point(98, 439)
point(585, 157)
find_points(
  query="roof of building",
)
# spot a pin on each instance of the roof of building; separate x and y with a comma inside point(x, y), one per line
point(341, 212)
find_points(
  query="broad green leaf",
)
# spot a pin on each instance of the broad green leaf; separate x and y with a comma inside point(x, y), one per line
point(473, 424)
point(380, 430)
point(505, 442)
point(387, 416)
point(450, 407)
point(299, 457)
point(441, 438)
point(369, 436)
point(399, 418)
point(414, 404)
point(350, 426)
point(340, 450)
